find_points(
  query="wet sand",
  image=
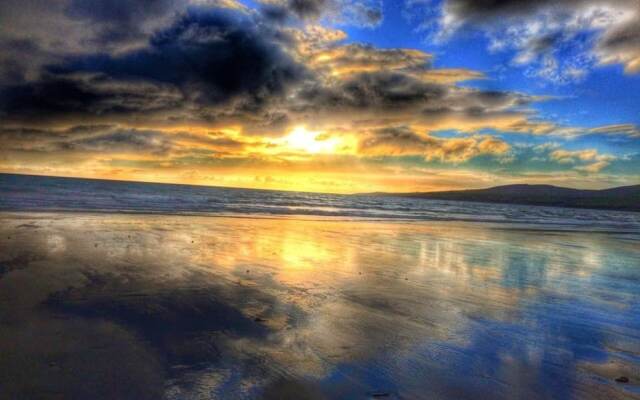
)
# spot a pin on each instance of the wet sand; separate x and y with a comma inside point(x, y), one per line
point(146, 307)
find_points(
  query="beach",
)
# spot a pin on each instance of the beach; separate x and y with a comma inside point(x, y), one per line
point(116, 305)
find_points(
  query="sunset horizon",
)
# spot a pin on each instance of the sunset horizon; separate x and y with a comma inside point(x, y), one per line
point(323, 97)
point(514, 183)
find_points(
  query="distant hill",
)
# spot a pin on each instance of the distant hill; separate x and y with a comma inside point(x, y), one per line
point(618, 198)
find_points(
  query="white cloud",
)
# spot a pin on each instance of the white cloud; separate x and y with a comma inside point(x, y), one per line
point(558, 41)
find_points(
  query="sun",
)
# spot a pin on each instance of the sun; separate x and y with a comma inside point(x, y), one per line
point(301, 139)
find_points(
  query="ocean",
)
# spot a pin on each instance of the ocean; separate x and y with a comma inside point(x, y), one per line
point(38, 193)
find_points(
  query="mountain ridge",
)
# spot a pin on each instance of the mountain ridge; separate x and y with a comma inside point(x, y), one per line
point(626, 198)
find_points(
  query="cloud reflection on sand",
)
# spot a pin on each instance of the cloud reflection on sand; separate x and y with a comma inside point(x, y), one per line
point(250, 308)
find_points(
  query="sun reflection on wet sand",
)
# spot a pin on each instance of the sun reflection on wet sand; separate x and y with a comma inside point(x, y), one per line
point(251, 308)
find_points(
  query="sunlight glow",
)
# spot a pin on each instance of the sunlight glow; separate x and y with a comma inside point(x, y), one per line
point(301, 139)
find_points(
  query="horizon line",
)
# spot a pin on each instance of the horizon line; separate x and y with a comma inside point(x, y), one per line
point(299, 191)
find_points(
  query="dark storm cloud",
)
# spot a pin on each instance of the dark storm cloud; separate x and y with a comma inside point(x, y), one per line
point(123, 141)
point(275, 13)
point(47, 97)
point(55, 29)
point(13, 136)
point(121, 21)
point(397, 94)
point(212, 55)
point(57, 97)
point(373, 90)
point(489, 100)
point(123, 12)
point(488, 9)
point(484, 11)
point(205, 57)
point(365, 13)
point(103, 139)
point(308, 8)
point(60, 28)
point(12, 63)
point(402, 140)
point(111, 139)
point(405, 140)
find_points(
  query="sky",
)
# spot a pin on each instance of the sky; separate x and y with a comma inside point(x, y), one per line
point(337, 96)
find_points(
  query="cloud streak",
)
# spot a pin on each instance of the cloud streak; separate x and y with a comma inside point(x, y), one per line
point(403, 141)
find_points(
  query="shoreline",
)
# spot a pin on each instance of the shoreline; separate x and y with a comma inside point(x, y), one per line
point(506, 224)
